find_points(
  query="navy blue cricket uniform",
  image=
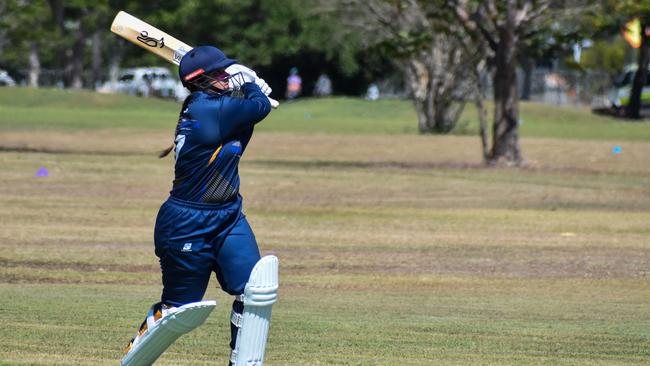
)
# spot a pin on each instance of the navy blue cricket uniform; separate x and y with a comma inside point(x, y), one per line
point(201, 228)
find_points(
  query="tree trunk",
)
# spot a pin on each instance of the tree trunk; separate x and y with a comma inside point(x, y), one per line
point(418, 80)
point(3, 39)
point(483, 130)
point(505, 143)
point(437, 113)
point(56, 6)
point(114, 64)
point(424, 118)
point(72, 58)
point(633, 109)
point(96, 77)
point(437, 108)
point(57, 9)
point(34, 65)
point(527, 66)
point(77, 59)
point(479, 100)
point(3, 30)
point(446, 114)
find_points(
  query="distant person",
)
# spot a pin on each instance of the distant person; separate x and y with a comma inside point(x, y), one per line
point(373, 92)
point(147, 86)
point(323, 87)
point(294, 84)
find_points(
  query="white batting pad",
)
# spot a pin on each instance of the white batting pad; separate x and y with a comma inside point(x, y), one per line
point(260, 294)
point(165, 331)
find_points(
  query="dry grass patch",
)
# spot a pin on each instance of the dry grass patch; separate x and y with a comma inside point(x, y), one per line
point(394, 250)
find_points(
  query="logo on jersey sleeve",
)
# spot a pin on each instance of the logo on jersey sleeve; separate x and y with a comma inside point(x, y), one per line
point(235, 148)
point(187, 125)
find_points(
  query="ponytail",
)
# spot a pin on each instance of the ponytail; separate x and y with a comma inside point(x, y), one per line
point(166, 151)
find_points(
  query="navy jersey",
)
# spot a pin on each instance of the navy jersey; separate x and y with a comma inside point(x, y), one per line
point(211, 136)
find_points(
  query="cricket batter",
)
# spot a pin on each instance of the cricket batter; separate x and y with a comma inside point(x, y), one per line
point(201, 228)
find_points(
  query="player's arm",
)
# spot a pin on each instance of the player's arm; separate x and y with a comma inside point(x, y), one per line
point(237, 114)
point(221, 118)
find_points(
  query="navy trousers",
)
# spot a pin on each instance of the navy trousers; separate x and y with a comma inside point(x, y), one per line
point(193, 240)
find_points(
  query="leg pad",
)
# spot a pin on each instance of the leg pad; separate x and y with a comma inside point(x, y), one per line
point(260, 294)
point(160, 333)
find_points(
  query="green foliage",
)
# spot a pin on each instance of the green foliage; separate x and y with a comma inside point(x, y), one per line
point(256, 32)
point(24, 23)
point(406, 44)
point(631, 8)
point(605, 55)
point(608, 16)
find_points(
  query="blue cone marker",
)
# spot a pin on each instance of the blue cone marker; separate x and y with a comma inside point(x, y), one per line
point(42, 172)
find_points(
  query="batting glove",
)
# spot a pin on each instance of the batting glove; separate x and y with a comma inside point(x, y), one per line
point(249, 76)
point(266, 89)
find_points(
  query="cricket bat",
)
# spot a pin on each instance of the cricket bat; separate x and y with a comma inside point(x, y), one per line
point(153, 40)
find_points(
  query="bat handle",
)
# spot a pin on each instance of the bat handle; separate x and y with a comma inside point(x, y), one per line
point(274, 103)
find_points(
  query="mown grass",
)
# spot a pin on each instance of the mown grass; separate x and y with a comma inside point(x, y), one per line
point(456, 322)
point(394, 248)
point(26, 109)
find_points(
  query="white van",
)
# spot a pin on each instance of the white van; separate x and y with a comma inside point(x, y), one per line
point(150, 81)
point(5, 79)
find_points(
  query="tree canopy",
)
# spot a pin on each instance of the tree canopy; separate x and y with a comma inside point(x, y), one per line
point(263, 34)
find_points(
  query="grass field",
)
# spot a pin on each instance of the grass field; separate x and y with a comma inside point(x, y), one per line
point(395, 248)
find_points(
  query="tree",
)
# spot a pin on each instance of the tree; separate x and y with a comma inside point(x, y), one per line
point(435, 63)
point(634, 108)
point(24, 26)
point(641, 10)
point(72, 37)
point(610, 18)
point(258, 33)
point(68, 20)
point(504, 26)
point(605, 54)
point(78, 24)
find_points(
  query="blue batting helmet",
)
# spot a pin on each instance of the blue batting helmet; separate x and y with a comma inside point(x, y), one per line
point(202, 60)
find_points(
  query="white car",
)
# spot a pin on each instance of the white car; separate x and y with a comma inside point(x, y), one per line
point(5, 79)
point(619, 94)
point(149, 81)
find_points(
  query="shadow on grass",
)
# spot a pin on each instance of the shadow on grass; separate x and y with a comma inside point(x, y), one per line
point(317, 164)
point(418, 165)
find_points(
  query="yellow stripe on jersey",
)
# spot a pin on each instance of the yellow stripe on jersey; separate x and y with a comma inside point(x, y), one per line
point(214, 156)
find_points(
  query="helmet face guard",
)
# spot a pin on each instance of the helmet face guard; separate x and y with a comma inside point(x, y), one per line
point(217, 82)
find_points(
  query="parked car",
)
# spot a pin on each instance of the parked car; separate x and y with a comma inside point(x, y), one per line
point(148, 81)
point(619, 95)
point(5, 79)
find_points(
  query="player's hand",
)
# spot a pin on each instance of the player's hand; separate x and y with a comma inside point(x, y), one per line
point(266, 89)
point(249, 76)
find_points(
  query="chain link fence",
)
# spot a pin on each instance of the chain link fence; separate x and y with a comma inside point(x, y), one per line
point(567, 88)
point(556, 87)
